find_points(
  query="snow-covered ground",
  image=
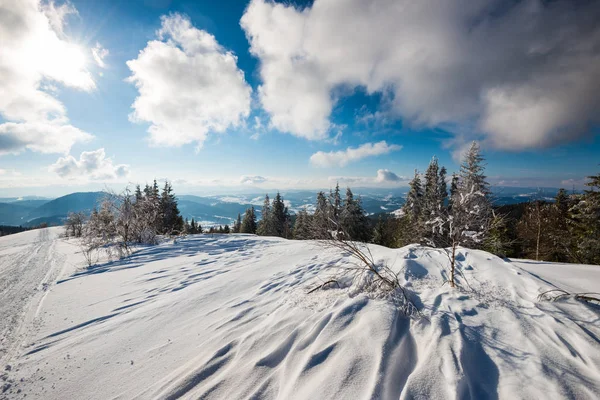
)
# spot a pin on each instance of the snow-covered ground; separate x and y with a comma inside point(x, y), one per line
point(229, 317)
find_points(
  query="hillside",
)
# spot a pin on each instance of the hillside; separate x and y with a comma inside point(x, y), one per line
point(228, 316)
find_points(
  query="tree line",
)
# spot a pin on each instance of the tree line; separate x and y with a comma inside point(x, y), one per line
point(438, 212)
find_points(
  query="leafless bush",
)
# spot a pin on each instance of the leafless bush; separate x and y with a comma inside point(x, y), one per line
point(74, 224)
point(366, 274)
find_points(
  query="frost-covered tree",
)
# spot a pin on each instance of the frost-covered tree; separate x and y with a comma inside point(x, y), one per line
point(468, 222)
point(249, 221)
point(74, 224)
point(472, 208)
point(302, 226)
point(453, 190)
point(335, 205)
point(414, 198)
point(433, 201)
point(353, 219)
point(586, 223)
point(266, 225)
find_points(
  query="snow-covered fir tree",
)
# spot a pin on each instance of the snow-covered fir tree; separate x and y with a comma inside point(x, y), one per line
point(249, 221)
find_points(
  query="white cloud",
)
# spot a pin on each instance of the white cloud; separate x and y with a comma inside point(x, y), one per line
point(92, 165)
point(522, 75)
point(385, 175)
point(188, 84)
point(342, 158)
point(384, 178)
point(252, 179)
point(34, 52)
point(43, 137)
point(99, 53)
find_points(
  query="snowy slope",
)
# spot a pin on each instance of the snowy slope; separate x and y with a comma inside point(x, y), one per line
point(228, 317)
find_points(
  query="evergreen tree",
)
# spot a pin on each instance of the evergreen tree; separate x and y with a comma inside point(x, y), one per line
point(433, 202)
point(249, 221)
point(226, 229)
point(453, 190)
point(237, 224)
point(472, 208)
point(172, 222)
point(443, 190)
point(414, 198)
point(586, 224)
point(353, 220)
point(335, 204)
point(302, 227)
point(279, 219)
point(380, 234)
point(266, 226)
point(322, 225)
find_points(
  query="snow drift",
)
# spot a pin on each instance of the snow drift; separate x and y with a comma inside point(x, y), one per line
point(228, 317)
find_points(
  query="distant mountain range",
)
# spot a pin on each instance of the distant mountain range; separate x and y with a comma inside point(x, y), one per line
point(223, 209)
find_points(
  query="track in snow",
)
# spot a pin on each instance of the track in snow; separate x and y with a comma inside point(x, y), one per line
point(27, 268)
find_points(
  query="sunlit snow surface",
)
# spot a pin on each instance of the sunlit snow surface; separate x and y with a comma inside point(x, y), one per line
point(228, 317)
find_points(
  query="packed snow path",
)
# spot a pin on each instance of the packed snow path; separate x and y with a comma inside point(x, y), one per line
point(28, 266)
point(228, 317)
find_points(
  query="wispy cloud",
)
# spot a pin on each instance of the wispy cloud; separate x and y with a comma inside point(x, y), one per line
point(342, 158)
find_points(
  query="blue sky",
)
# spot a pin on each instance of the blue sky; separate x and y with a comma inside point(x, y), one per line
point(323, 94)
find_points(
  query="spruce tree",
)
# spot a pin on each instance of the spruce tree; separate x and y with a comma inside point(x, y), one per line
point(302, 227)
point(335, 204)
point(266, 226)
point(171, 220)
point(472, 208)
point(278, 217)
point(586, 223)
point(237, 224)
point(353, 220)
point(249, 221)
point(414, 198)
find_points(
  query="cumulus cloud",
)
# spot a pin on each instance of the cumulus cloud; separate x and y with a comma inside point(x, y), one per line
point(520, 74)
point(252, 179)
point(99, 53)
point(92, 165)
point(188, 84)
point(34, 52)
point(342, 158)
point(385, 175)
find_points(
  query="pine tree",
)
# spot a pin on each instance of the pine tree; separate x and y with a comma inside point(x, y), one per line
point(249, 221)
